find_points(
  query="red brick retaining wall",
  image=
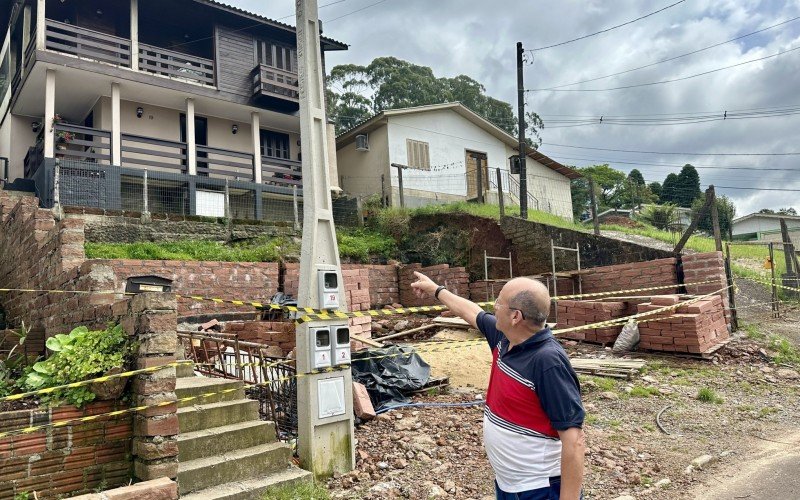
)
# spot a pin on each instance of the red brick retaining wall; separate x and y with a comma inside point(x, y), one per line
point(635, 275)
point(456, 279)
point(57, 462)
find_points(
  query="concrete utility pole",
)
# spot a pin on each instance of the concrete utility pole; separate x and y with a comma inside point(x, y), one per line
point(523, 172)
point(324, 400)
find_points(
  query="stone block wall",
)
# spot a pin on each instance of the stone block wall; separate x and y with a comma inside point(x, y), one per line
point(531, 248)
point(695, 328)
point(456, 279)
point(573, 313)
point(58, 462)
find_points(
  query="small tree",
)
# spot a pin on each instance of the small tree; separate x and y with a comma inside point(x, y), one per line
point(664, 217)
point(726, 211)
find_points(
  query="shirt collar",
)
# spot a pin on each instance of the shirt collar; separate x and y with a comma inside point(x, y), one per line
point(537, 338)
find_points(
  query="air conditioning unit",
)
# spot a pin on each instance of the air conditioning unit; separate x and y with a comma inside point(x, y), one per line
point(362, 142)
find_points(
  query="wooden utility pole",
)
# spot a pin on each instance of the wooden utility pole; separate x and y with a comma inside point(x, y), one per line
point(715, 219)
point(788, 250)
point(595, 220)
point(523, 172)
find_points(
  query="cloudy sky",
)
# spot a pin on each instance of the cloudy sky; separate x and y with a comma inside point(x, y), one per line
point(478, 38)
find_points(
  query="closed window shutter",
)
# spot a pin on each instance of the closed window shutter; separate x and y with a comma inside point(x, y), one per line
point(418, 154)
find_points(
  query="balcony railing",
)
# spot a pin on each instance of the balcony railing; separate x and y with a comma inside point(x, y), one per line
point(216, 162)
point(273, 82)
point(149, 152)
point(87, 43)
point(281, 172)
point(82, 143)
point(176, 65)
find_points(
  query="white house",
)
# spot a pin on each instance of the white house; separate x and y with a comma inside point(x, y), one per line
point(766, 227)
point(443, 145)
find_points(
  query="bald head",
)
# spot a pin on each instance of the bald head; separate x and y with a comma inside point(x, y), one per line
point(530, 297)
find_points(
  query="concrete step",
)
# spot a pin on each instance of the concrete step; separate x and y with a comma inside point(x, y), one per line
point(239, 465)
point(251, 489)
point(184, 370)
point(219, 440)
point(207, 416)
point(195, 386)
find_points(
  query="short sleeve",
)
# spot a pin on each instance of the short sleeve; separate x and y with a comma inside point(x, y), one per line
point(487, 324)
point(559, 393)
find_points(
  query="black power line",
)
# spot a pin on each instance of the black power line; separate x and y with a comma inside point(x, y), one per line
point(675, 165)
point(607, 29)
point(667, 152)
point(556, 87)
point(649, 84)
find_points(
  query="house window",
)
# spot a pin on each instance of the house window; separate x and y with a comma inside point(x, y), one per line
point(418, 155)
point(277, 56)
point(274, 144)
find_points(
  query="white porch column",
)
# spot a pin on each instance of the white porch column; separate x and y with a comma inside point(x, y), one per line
point(135, 34)
point(49, 112)
point(191, 151)
point(116, 130)
point(40, 28)
point(255, 125)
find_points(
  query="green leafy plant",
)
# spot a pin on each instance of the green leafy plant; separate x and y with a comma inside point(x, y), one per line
point(664, 217)
point(80, 355)
point(707, 395)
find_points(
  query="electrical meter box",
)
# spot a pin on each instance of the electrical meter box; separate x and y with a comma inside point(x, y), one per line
point(321, 357)
point(341, 345)
point(328, 289)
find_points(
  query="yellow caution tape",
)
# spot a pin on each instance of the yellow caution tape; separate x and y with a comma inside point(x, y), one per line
point(84, 383)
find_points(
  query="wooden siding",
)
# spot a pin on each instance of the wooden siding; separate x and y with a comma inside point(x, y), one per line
point(236, 61)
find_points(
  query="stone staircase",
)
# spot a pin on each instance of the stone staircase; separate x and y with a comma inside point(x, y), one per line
point(224, 450)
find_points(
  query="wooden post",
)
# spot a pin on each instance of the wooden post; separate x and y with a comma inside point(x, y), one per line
point(695, 220)
point(500, 200)
point(595, 220)
point(480, 178)
point(731, 291)
point(774, 287)
point(788, 250)
point(400, 182)
point(715, 219)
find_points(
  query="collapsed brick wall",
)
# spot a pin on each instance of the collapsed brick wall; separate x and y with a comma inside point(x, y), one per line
point(71, 459)
point(485, 290)
point(572, 313)
point(456, 279)
point(694, 328)
point(379, 282)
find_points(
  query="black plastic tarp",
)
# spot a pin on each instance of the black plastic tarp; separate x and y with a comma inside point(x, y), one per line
point(389, 372)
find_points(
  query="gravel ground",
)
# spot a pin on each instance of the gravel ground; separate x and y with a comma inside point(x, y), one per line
point(437, 451)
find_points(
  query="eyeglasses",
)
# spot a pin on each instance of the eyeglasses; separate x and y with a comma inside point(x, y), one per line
point(497, 304)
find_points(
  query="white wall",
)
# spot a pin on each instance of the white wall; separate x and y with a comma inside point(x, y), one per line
point(360, 171)
point(758, 224)
point(551, 189)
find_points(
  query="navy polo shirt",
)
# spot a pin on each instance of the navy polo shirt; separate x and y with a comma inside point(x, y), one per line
point(533, 393)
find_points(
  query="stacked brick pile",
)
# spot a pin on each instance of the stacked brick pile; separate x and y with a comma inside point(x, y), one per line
point(578, 313)
point(275, 333)
point(627, 276)
point(456, 279)
point(694, 328)
point(709, 266)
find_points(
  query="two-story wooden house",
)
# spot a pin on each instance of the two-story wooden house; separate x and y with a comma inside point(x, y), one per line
point(200, 95)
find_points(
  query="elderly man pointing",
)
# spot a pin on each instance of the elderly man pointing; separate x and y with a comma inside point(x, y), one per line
point(532, 424)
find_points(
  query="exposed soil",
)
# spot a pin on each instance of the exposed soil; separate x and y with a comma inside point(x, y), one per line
point(437, 451)
point(619, 220)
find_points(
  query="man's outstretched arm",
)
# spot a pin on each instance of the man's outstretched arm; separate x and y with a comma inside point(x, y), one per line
point(464, 308)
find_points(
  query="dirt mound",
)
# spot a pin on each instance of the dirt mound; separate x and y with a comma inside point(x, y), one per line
point(619, 220)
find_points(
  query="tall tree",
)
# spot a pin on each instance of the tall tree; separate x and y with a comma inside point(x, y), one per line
point(688, 186)
point(608, 182)
point(357, 92)
point(636, 177)
point(655, 188)
point(669, 190)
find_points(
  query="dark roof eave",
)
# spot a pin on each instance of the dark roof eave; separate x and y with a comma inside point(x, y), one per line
point(548, 162)
point(327, 43)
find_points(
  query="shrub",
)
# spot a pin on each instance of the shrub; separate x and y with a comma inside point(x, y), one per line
point(80, 355)
point(664, 217)
point(707, 395)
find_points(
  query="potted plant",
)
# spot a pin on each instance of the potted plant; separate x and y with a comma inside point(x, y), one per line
point(62, 136)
